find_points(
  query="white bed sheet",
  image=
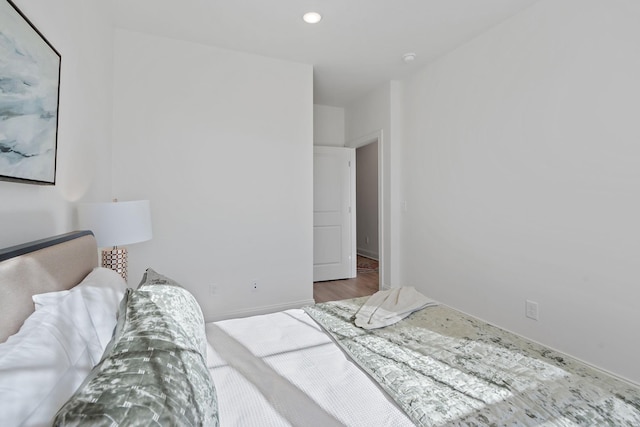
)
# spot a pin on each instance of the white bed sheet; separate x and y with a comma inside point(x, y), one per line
point(295, 347)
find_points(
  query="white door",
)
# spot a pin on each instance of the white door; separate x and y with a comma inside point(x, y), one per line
point(334, 249)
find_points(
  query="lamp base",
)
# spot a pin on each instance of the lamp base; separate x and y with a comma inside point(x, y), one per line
point(116, 259)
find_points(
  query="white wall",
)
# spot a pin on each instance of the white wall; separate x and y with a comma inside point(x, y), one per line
point(328, 126)
point(221, 142)
point(367, 200)
point(379, 115)
point(523, 182)
point(81, 31)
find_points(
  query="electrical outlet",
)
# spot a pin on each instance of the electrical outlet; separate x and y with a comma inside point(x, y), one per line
point(213, 289)
point(531, 309)
point(254, 286)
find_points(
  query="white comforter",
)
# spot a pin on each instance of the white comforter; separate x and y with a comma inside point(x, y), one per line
point(297, 364)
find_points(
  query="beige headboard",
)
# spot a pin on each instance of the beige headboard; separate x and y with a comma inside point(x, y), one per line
point(46, 265)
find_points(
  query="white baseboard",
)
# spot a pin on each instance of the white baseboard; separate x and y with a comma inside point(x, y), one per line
point(367, 253)
point(266, 309)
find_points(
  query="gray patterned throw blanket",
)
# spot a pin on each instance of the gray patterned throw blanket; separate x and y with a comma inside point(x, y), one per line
point(445, 368)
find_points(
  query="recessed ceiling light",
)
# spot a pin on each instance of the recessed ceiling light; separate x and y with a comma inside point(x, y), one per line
point(312, 17)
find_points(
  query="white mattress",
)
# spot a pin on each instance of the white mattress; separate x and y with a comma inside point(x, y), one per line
point(295, 350)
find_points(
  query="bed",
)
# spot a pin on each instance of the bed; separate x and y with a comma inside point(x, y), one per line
point(80, 347)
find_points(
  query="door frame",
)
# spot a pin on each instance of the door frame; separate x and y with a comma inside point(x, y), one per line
point(360, 142)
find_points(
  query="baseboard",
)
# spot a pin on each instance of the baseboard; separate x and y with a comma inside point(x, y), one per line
point(265, 309)
point(367, 253)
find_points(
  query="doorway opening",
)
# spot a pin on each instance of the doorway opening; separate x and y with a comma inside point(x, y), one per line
point(367, 226)
point(368, 239)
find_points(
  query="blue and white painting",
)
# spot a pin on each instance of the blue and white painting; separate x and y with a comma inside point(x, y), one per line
point(29, 82)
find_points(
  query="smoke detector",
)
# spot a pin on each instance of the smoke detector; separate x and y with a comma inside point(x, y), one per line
point(409, 57)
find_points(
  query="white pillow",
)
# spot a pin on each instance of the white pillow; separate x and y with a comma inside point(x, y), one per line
point(48, 298)
point(102, 291)
point(46, 361)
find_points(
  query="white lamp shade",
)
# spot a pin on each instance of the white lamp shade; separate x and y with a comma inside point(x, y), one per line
point(117, 223)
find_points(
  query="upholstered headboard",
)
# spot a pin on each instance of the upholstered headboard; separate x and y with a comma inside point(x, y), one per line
point(46, 265)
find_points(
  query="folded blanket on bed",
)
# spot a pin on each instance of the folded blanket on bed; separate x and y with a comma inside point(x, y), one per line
point(385, 308)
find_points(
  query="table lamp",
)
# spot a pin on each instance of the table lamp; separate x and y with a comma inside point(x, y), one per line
point(115, 224)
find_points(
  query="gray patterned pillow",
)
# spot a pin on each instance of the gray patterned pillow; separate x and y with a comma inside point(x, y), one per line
point(152, 373)
point(177, 302)
point(151, 277)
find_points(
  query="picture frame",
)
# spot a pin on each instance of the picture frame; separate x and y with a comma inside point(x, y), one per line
point(29, 100)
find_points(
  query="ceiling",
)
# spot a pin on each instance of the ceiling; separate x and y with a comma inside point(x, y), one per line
point(356, 47)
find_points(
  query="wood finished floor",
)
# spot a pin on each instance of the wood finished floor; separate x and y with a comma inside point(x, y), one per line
point(362, 285)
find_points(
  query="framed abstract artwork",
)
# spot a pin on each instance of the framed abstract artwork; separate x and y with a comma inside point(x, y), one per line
point(29, 92)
